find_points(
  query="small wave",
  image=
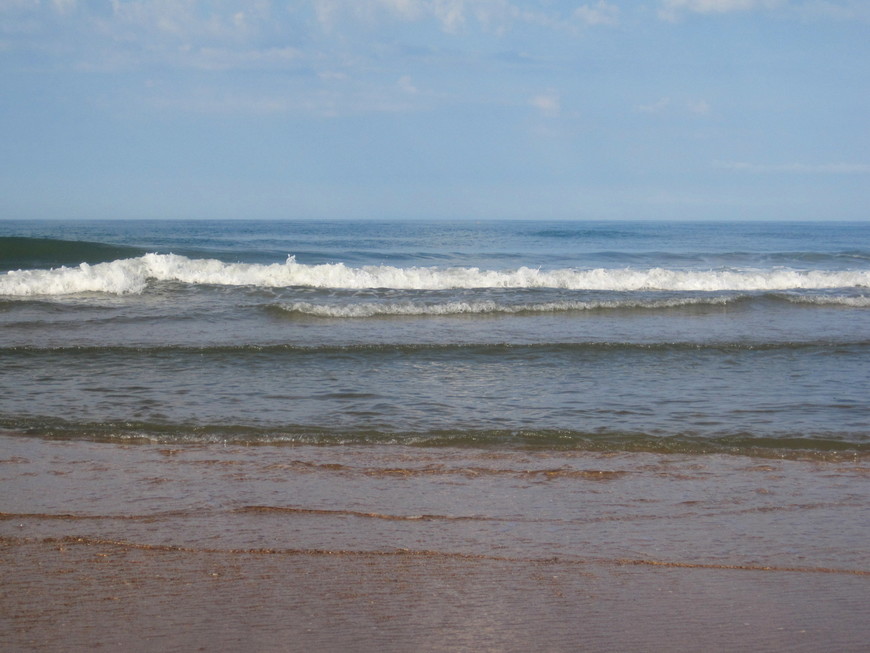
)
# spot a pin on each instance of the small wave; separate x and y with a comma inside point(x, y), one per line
point(464, 350)
point(826, 446)
point(860, 301)
point(409, 309)
point(132, 275)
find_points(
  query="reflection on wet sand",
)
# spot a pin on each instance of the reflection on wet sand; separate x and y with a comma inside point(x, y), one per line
point(395, 548)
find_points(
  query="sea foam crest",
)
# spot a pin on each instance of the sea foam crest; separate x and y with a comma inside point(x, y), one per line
point(861, 301)
point(132, 276)
point(373, 309)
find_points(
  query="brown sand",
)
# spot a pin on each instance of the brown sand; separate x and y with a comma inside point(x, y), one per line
point(154, 548)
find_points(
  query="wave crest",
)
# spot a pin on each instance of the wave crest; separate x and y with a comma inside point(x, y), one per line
point(374, 309)
point(132, 275)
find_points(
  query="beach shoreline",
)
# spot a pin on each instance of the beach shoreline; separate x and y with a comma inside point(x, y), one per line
point(190, 546)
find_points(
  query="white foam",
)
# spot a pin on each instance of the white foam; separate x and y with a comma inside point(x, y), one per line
point(372, 309)
point(118, 277)
point(132, 276)
point(861, 301)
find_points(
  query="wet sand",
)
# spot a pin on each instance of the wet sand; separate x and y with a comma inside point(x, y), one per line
point(154, 547)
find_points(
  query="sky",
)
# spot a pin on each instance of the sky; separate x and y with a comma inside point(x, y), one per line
point(435, 109)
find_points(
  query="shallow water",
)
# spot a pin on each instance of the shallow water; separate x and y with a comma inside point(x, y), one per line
point(390, 547)
point(719, 510)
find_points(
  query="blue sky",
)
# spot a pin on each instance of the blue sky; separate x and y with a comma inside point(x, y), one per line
point(421, 109)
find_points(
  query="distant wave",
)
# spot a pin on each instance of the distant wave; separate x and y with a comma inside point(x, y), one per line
point(22, 252)
point(132, 275)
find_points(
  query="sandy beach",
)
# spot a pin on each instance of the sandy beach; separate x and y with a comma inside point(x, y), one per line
point(149, 547)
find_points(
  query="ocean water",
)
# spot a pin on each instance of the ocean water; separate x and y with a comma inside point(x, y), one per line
point(431, 436)
point(749, 338)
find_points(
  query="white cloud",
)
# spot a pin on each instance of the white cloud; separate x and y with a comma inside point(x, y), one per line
point(451, 13)
point(796, 168)
point(671, 9)
point(454, 16)
point(185, 20)
point(601, 13)
point(330, 12)
point(549, 104)
point(325, 11)
point(332, 75)
point(162, 16)
point(64, 6)
point(655, 107)
point(180, 34)
point(699, 107)
point(406, 84)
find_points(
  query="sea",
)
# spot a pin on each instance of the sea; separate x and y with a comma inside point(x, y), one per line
point(746, 338)
point(433, 436)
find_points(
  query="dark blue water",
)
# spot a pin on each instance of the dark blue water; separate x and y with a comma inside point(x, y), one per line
point(745, 337)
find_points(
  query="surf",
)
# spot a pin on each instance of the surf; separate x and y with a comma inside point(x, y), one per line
point(133, 275)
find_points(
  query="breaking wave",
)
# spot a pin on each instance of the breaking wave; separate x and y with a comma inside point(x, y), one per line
point(132, 275)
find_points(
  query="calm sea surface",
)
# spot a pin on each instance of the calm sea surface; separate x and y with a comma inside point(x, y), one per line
point(749, 338)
